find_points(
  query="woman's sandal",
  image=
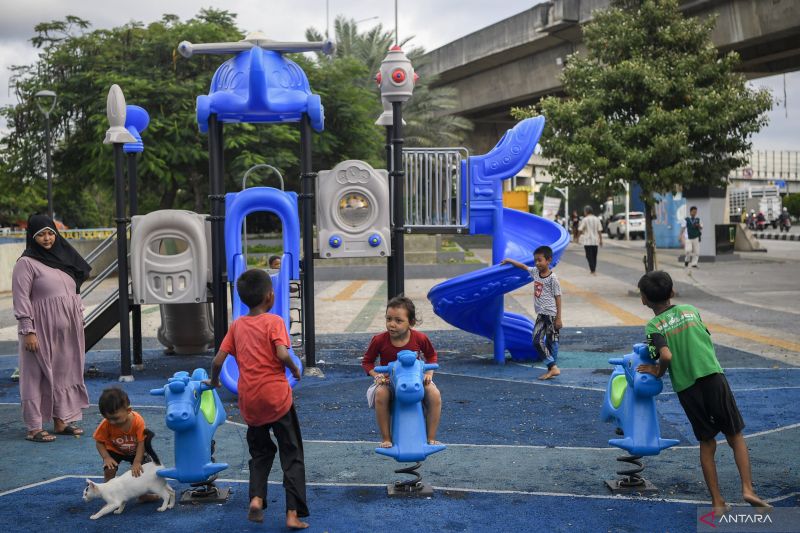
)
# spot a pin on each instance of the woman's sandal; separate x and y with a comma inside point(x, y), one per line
point(40, 436)
point(70, 429)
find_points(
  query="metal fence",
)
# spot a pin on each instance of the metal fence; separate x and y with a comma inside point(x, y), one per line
point(433, 189)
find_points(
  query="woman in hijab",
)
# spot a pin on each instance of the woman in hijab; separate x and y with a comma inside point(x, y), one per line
point(47, 305)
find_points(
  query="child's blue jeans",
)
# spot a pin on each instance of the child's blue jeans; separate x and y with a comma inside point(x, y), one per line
point(545, 339)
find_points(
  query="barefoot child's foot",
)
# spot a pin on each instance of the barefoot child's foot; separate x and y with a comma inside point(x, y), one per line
point(550, 374)
point(293, 522)
point(386, 444)
point(722, 509)
point(256, 511)
point(755, 501)
point(434, 442)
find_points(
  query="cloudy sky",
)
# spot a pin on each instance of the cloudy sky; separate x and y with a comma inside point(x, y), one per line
point(432, 22)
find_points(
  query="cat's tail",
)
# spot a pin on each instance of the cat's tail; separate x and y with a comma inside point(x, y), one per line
point(148, 447)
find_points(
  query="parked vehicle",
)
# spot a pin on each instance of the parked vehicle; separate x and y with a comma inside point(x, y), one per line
point(616, 226)
point(764, 199)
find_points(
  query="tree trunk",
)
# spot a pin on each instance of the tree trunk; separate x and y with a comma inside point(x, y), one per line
point(168, 199)
point(650, 238)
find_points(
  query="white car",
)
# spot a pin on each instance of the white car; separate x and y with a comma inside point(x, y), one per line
point(616, 226)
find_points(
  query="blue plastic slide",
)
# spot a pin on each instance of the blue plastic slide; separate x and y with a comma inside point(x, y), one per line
point(474, 302)
point(237, 207)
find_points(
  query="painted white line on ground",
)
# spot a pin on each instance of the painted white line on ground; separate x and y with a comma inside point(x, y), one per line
point(454, 489)
point(539, 383)
point(45, 482)
point(531, 446)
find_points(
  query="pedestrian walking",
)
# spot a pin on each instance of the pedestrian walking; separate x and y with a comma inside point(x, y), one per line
point(590, 235)
point(690, 238)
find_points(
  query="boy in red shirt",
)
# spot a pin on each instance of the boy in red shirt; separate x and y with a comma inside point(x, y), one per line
point(260, 343)
point(401, 316)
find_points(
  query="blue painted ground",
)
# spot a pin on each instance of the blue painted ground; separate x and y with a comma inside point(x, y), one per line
point(366, 509)
point(488, 411)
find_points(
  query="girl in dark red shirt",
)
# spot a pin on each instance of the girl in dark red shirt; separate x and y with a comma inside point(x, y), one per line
point(401, 316)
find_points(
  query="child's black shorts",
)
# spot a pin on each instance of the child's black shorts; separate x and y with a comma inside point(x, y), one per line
point(711, 408)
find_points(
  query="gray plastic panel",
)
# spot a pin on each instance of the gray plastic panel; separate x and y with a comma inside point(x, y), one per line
point(353, 208)
point(158, 278)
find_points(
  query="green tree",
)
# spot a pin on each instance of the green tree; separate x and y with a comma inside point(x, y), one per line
point(653, 102)
point(80, 65)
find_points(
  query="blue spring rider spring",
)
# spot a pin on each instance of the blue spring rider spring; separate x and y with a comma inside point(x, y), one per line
point(409, 436)
point(194, 411)
point(630, 403)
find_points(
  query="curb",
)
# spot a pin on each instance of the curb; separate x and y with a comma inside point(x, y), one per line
point(778, 236)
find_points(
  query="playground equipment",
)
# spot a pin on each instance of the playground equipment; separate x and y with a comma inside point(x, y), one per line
point(237, 206)
point(258, 85)
point(194, 411)
point(474, 302)
point(630, 403)
point(409, 436)
point(353, 211)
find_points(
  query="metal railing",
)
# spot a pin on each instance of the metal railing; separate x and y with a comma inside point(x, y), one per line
point(770, 165)
point(433, 189)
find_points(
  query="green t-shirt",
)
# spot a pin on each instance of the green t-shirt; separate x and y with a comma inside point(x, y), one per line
point(689, 341)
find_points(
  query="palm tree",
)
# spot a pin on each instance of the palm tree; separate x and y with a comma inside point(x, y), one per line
point(426, 114)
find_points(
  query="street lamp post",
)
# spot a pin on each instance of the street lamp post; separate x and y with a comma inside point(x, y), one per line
point(46, 102)
point(565, 193)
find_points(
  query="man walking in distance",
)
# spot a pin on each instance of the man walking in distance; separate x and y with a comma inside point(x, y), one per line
point(590, 232)
point(690, 238)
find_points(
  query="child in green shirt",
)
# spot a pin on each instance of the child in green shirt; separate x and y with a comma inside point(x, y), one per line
point(683, 345)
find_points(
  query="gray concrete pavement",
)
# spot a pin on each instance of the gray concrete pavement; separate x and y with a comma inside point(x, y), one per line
point(750, 302)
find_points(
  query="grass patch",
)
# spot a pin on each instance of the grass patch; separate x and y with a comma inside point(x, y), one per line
point(264, 249)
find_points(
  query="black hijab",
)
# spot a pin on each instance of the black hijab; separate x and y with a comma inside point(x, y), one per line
point(61, 255)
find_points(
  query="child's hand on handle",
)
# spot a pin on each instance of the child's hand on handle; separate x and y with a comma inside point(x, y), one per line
point(381, 379)
point(213, 384)
point(427, 380)
point(648, 369)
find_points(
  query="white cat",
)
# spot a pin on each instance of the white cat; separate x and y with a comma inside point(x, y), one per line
point(119, 490)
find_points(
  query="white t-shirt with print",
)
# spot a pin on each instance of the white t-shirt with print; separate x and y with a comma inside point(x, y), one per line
point(545, 291)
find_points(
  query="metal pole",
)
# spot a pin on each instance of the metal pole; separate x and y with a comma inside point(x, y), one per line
point(122, 258)
point(307, 205)
point(398, 200)
point(217, 239)
point(49, 160)
point(627, 211)
point(391, 289)
point(136, 309)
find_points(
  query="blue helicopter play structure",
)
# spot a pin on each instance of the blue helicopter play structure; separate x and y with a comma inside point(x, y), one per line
point(194, 411)
point(630, 403)
point(409, 436)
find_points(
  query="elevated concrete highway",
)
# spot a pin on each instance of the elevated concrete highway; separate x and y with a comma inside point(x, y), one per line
point(518, 60)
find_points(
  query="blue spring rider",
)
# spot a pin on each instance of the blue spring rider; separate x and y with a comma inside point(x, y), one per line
point(409, 436)
point(194, 411)
point(630, 403)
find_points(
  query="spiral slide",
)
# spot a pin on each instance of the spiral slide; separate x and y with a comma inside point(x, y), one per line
point(474, 302)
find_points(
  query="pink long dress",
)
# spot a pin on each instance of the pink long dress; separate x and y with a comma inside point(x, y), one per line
point(50, 379)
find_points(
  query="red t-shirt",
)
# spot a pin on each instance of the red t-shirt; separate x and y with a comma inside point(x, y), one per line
point(264, 392)
point(381, 346)
point(118, 440)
